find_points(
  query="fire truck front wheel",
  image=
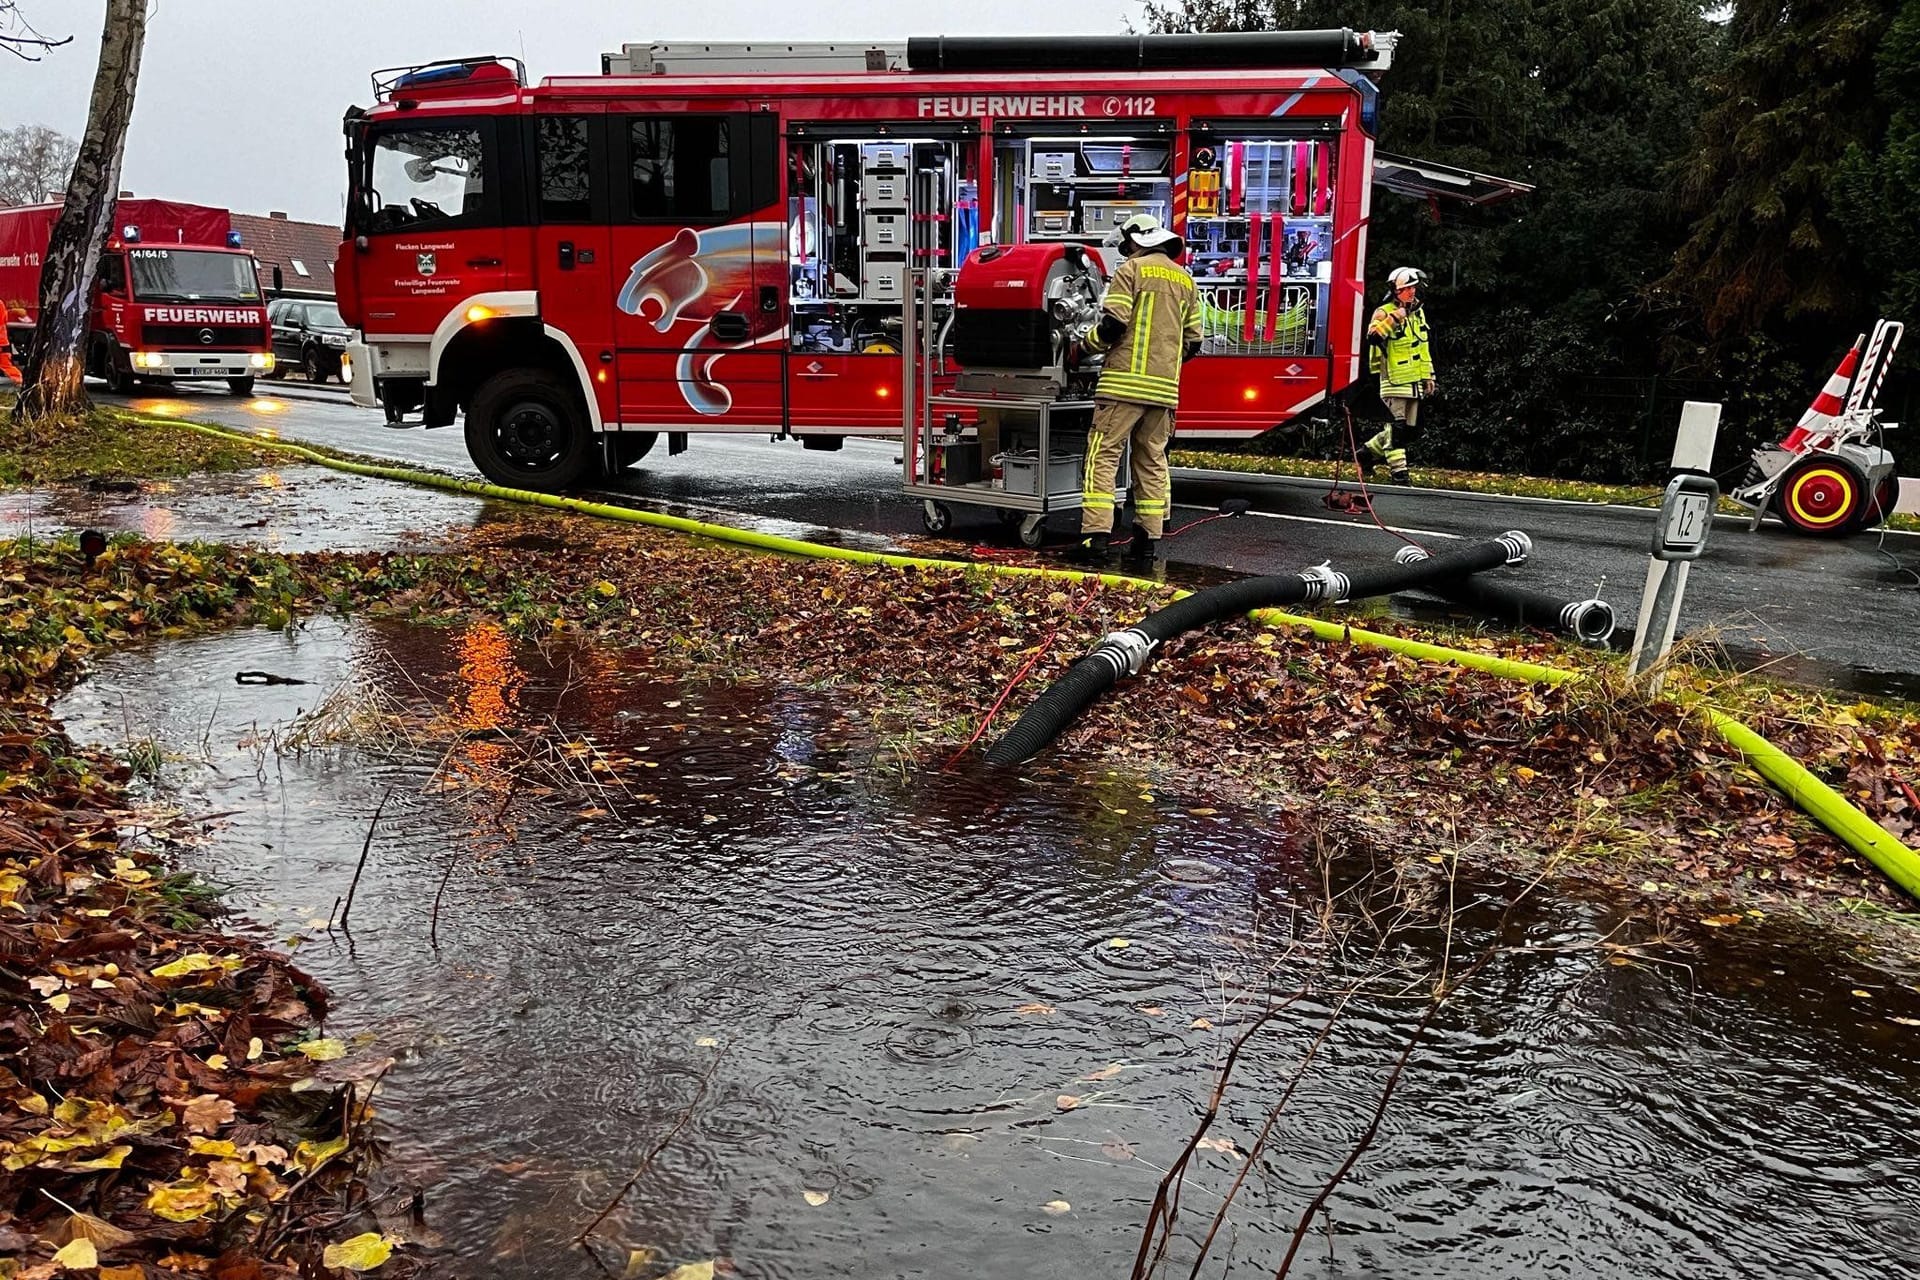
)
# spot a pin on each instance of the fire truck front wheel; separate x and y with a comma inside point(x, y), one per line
point(526, 429)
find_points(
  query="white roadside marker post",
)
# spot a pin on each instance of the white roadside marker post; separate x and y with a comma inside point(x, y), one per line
point(1679, 536)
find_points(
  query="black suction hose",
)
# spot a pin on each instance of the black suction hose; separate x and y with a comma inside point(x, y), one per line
point(1125, 652)
point(1589, 621)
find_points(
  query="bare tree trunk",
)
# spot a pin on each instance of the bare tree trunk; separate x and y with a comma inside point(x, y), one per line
point(56, 360)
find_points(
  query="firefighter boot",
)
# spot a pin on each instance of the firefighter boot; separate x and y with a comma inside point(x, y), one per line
point(1092, 549)
point(1142, 548)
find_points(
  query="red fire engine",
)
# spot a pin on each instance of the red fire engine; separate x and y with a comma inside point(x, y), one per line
point(725, 238)
point(177, 296)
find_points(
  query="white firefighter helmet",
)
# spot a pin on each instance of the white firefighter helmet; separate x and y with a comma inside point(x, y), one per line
point(1402, 277)
point(1144, 230)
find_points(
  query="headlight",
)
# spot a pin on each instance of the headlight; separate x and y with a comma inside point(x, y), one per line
point(336, 340)
point(261, 360)
point(149, 360)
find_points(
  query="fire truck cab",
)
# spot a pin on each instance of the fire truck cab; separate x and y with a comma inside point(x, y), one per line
point(726, 238)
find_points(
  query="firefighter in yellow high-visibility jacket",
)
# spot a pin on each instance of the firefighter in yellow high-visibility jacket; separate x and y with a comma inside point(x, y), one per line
point(1149, 325)
point(1399, 351)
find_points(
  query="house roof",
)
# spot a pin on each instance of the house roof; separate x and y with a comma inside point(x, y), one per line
point(278, 241)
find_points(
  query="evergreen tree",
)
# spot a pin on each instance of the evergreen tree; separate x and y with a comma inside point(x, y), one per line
point(1877, 192)
point(1795, 94)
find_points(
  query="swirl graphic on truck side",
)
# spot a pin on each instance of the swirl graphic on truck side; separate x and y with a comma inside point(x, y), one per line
point(696, 276)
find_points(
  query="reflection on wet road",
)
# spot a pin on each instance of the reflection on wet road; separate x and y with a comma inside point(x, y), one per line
point(886, 990)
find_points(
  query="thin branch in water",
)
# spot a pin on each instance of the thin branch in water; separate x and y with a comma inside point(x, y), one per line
point(365, 847)
point(646, 1161)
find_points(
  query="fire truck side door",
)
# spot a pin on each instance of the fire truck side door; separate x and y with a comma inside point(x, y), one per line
point(699, 278)
point(572, 239)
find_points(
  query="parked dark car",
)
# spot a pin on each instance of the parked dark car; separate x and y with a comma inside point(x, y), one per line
point(309, 336)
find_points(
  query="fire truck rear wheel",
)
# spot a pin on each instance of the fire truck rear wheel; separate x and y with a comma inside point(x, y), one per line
point(118, 373)
point(526, 429)
point(1822, 496)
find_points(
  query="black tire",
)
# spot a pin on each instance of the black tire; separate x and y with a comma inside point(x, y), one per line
point(1033, 532)
point(314, 364)
point(119, 374)
point(1822, 496)
point(526, 429)
point(630, 446)
point(935, 517)
point(241, 386)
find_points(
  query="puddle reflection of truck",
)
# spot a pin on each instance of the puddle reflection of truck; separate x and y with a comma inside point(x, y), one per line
point(177, 297)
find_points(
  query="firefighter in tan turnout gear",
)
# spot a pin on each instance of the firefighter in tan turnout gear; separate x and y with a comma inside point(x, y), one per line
point(1149, 325)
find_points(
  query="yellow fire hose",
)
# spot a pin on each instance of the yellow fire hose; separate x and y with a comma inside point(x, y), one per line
point(1819, 801)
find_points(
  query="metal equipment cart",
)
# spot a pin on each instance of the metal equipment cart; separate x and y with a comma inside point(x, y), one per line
point(1009, 440)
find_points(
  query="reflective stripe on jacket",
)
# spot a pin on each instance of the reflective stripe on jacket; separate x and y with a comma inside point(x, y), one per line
point(1155, 298)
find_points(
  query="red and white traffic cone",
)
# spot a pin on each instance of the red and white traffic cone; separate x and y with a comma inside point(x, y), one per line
point(1819, 419)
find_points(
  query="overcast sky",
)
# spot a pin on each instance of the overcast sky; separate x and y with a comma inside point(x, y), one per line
point(240, 100)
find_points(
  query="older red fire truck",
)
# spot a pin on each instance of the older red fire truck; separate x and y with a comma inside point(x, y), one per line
point(725, 238)
point(177, 296)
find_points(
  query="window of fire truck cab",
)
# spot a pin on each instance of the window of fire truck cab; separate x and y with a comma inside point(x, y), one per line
point(429, 174)
point(113, 274)
point(171, 274)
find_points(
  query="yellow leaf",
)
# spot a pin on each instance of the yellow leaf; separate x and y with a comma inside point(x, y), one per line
point(60, 1002)
point(123, 1273)
point(311, 1155)
point(78, 1255)
point(327, 1050)
point(195, 962)
point(1056, 1207)
point(362, 1253)
point(213, 1147)
point(691, 1271)
point(181, 1201)
point(816, 1198)
point(1201, 1024)
point(111, 1160)
point(1721, 921)
point(706, 1042)
point(1524, 774)
point(1120, 942)
point(1864, 995)
point(255, 1048)
point(1034, 1010)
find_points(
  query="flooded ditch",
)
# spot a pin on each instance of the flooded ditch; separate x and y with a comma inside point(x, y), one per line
point(916, 1023)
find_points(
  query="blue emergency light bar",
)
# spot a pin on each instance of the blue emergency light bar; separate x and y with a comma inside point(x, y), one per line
point(233, 239)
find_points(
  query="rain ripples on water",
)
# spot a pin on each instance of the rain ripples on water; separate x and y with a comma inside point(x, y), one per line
point(906, 1016)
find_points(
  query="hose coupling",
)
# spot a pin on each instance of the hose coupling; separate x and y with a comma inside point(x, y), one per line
point(1519, 546)
point(1410, 555)
point(1590, 621)
point(1324, 582)
point(1126, 651)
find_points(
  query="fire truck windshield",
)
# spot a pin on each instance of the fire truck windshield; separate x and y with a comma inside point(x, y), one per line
point(423, 175)
point(189, 275)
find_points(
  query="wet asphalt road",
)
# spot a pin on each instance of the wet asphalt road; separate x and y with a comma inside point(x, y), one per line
point(1831, 612)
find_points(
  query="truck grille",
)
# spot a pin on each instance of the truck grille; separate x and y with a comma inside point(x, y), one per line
point(187, 337)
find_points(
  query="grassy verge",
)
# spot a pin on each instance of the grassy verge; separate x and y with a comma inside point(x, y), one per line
point(1460, 481)
point(106, 445)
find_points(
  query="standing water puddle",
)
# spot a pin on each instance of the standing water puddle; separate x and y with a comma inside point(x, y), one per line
point(905, 993)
